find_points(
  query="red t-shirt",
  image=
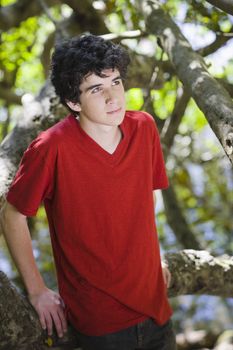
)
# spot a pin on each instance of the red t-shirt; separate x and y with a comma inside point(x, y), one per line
point(101, 219)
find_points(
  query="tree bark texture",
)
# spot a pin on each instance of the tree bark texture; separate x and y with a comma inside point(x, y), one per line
point(193, 272)
point(20, 327)
point(198, 272)
point(210, 96)
point(19, 324)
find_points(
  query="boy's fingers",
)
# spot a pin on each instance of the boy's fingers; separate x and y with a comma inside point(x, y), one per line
point(49, 323)
point(58, 324)
point(42, 321)
point(62, 320)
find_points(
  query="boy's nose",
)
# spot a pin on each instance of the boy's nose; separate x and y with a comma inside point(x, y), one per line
point(110, 97)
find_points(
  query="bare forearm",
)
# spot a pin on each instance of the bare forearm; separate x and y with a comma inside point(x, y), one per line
point(17, 236)
point(166, 272)
point(154, 198)
point(47, 303)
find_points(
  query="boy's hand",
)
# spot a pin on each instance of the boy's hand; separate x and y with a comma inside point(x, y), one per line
point(166, 274)
point(50, 309)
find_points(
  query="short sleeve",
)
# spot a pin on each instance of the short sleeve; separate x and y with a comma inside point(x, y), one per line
point(33, 181)
point(160, 180)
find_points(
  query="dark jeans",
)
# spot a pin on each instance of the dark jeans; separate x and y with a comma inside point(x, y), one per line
point(144, 335)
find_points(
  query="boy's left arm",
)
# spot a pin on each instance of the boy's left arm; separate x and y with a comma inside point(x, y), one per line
point(166, 272)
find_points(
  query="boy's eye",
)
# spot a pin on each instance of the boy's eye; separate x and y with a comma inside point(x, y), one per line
point(96, 89)
point(116, 82)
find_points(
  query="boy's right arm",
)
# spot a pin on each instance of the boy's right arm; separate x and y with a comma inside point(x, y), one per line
point(47, 303)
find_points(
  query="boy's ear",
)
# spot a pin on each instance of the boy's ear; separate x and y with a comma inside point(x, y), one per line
point(74, 106)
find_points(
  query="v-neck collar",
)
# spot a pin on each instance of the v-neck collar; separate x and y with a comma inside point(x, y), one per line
point(92, 146)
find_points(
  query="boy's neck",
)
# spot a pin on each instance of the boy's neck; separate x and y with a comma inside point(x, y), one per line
point(108, 137)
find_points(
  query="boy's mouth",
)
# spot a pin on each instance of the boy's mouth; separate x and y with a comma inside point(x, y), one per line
point(114, 111)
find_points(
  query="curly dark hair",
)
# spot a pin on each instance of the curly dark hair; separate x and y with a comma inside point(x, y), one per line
point(73, 59)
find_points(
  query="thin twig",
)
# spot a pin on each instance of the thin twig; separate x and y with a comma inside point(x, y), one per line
point(133, 34)
point(46, 10)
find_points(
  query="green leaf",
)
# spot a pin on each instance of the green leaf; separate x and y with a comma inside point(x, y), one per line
point(164, 99)
point(193, 119)
point(134, 99)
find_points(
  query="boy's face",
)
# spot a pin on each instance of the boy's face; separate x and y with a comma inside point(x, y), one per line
point(102, 99)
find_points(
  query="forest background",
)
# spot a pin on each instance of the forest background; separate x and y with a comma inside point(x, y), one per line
point(181, 73)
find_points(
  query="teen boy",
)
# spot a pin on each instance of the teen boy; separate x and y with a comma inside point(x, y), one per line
point(95, 171)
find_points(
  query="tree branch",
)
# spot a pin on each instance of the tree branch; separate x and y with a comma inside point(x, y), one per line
point(174, 214)
point(20, 327)
point(193, 272)
point(228, 86)
point(85, 17)
point(39, 113)
point(45, 56)
point(45, 9)
point(177, 221)
point(172, 124)
point(220, 41)
point(198, 272)
point(88, 18)
point(224, 5)
point(13, 15)
point(209, 95)
point(9, 96)
point(132, 34)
